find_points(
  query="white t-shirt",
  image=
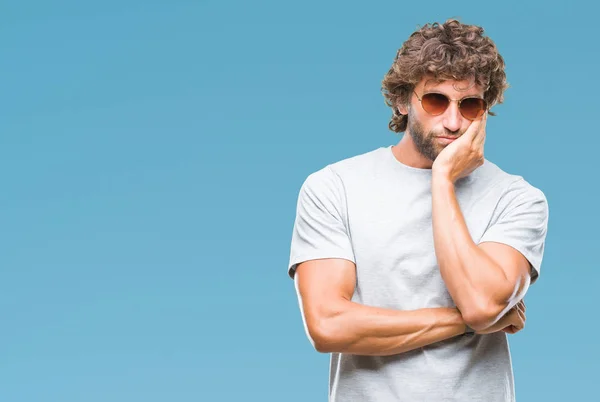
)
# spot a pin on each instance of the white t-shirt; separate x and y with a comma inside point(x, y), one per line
point(376, 212)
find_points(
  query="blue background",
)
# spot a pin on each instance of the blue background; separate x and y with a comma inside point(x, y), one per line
point(151, 153)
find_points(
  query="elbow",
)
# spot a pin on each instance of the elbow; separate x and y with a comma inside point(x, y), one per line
point(324, 345)
point(324, 337)
point(479, 320)
point(485, 311)
point(324, 340)
point(482, 317)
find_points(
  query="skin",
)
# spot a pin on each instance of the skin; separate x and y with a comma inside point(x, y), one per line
point(419, 147)
point(487, 280)
point(488, 298)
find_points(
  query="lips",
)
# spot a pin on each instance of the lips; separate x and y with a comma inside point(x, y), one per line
point(446, 140)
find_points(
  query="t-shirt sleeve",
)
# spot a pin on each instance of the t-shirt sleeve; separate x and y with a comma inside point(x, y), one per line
point(521, 222)
point(320, 228)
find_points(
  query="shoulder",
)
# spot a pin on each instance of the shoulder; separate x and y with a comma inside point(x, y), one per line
point(511, 189)
point(338, 172)
point(492, 175)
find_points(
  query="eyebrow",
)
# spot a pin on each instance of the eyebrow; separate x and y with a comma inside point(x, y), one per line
point(435, 91)
point(437, 82)
point(439, 91)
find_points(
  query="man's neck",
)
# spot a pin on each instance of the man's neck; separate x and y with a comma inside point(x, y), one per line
point(406, 153)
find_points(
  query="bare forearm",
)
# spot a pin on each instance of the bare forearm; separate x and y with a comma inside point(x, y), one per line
point(366, 330)
point(473, 279)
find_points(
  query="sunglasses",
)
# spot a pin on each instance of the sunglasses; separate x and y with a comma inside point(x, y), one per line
point(435, 104)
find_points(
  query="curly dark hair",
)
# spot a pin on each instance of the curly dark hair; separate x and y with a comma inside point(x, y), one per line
point(451, 50)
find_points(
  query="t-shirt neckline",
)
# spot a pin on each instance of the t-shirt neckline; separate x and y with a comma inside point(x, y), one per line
point(403, 167)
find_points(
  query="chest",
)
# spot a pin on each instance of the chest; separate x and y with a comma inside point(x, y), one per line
point(392, 237)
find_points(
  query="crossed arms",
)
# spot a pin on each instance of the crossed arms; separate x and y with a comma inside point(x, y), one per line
point(487, 283)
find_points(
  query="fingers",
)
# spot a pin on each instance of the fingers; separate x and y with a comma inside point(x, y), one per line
point(475, 136)
point(517, 316)
point(511, 329)
point(512, 322)
point(517, 319)
point(477, 127)
point(521, 306)
point(522, 318)
point(479, 135)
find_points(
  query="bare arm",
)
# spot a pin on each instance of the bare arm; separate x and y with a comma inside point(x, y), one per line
point(336, 324)
point(484, 281)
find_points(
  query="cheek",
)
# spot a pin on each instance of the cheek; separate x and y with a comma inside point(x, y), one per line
point(432, 129)
point(420, 118)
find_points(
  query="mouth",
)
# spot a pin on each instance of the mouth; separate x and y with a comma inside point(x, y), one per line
point(446, 140)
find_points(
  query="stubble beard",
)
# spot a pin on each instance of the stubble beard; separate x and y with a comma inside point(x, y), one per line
point(425, 143)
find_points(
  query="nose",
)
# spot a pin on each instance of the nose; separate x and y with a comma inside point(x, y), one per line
point(452, 118)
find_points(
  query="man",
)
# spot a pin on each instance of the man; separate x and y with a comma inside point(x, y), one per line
point(411, 261)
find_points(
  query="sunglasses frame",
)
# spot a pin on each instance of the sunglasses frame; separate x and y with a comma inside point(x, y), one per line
point(485, 108)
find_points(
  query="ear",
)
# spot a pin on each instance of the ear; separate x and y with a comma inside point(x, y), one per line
point(402, 109)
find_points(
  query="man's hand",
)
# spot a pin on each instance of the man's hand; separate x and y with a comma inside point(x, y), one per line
point(511, 323)
point(463, 155)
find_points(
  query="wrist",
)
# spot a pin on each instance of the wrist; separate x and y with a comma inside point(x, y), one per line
point(441, 177)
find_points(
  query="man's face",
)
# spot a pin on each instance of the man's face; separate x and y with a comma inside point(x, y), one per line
point(426, 130)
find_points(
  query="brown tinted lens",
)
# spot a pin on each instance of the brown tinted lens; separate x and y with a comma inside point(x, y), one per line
point(434, 103)
point(472, 108)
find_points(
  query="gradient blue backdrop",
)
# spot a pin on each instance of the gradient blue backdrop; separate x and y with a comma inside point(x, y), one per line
point(151, 153)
